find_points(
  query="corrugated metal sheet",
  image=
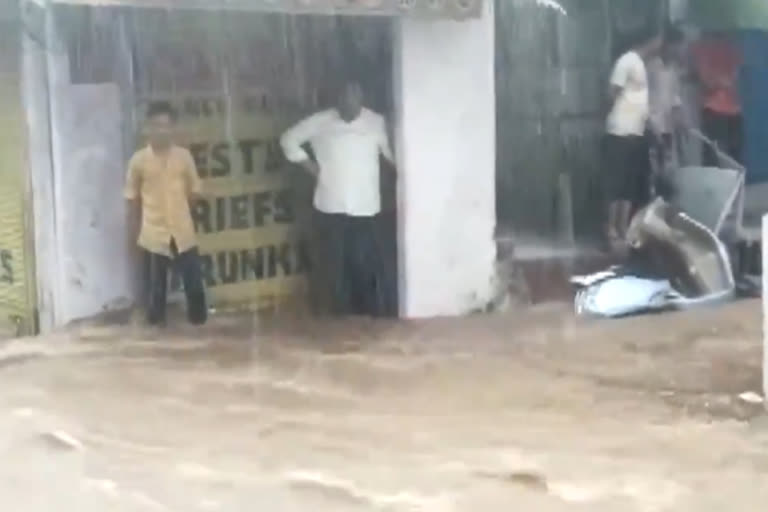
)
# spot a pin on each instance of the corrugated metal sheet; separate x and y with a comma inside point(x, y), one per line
point(455, 9)
point(551, 85)
point(550, 73)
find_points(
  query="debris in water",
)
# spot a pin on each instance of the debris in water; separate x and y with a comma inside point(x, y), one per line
point(751, 398)
point(529, 480)
point(61, 440)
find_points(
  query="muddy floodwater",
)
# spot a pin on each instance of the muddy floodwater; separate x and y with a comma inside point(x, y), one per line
point(533, 411)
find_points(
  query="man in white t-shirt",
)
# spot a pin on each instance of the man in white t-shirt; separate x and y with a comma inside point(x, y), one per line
point(627, 152)
point(346, 142)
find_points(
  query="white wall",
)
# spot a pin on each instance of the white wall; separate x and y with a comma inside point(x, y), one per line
point(445, 100)
point(95, 263)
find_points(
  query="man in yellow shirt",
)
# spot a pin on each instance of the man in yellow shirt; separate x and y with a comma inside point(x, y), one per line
point(162, 180)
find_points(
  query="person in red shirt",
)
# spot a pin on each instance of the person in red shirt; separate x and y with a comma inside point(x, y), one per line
point(718, 63)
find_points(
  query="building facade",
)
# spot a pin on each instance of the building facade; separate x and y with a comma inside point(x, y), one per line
point(87, 72)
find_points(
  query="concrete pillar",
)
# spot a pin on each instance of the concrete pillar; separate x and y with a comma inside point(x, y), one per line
point(37, 111)
point(764, 248)
point(45, 72)
point(83, 254)
point(445, 105)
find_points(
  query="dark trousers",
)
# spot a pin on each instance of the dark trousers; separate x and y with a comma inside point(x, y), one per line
point(628, 167)
point(726, 131)
point(347, 265)
point(156, 284)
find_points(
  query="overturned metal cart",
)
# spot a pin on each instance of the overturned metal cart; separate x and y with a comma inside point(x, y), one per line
point(687, 238)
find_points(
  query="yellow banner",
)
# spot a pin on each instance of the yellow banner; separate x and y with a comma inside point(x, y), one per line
point(252, 254)
point(16, 292)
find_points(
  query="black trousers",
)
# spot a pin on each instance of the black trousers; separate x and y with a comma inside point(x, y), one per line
point(347, 266)
point(156, 284)
point(628, 168)
point(727, 131)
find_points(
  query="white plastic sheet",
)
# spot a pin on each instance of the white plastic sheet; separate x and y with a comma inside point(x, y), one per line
point(617, 296)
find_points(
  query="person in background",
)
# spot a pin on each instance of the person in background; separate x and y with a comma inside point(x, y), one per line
point(626, 147)
point(346, 142)
point(717, 62)
point(162, 180)
point(666, 105)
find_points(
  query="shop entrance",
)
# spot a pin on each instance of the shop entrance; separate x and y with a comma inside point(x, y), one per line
point(237, 79)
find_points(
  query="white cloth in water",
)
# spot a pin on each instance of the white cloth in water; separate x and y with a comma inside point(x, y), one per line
point(623, 295)
point(608, 295)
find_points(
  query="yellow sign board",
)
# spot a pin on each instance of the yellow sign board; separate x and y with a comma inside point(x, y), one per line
point(16, 291)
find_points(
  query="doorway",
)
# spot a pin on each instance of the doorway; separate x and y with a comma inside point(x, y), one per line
point(237, 79)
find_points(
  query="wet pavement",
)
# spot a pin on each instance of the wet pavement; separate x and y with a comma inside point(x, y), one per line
point(533, 410)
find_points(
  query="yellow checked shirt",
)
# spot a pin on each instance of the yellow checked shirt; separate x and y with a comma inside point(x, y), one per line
point(164, 184)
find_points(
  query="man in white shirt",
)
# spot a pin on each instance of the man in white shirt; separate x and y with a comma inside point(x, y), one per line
point(627, 152)
point(346, 142)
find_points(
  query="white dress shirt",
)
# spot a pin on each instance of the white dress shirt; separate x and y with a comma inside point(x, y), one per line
point(631, 109)
point(348, 156)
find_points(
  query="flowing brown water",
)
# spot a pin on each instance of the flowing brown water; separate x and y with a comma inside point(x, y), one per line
point(535, 411)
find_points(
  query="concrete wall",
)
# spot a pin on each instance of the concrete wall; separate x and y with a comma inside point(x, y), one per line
point(446, 146)
point(445, 100)
point(95, 267)
point(84, 262)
